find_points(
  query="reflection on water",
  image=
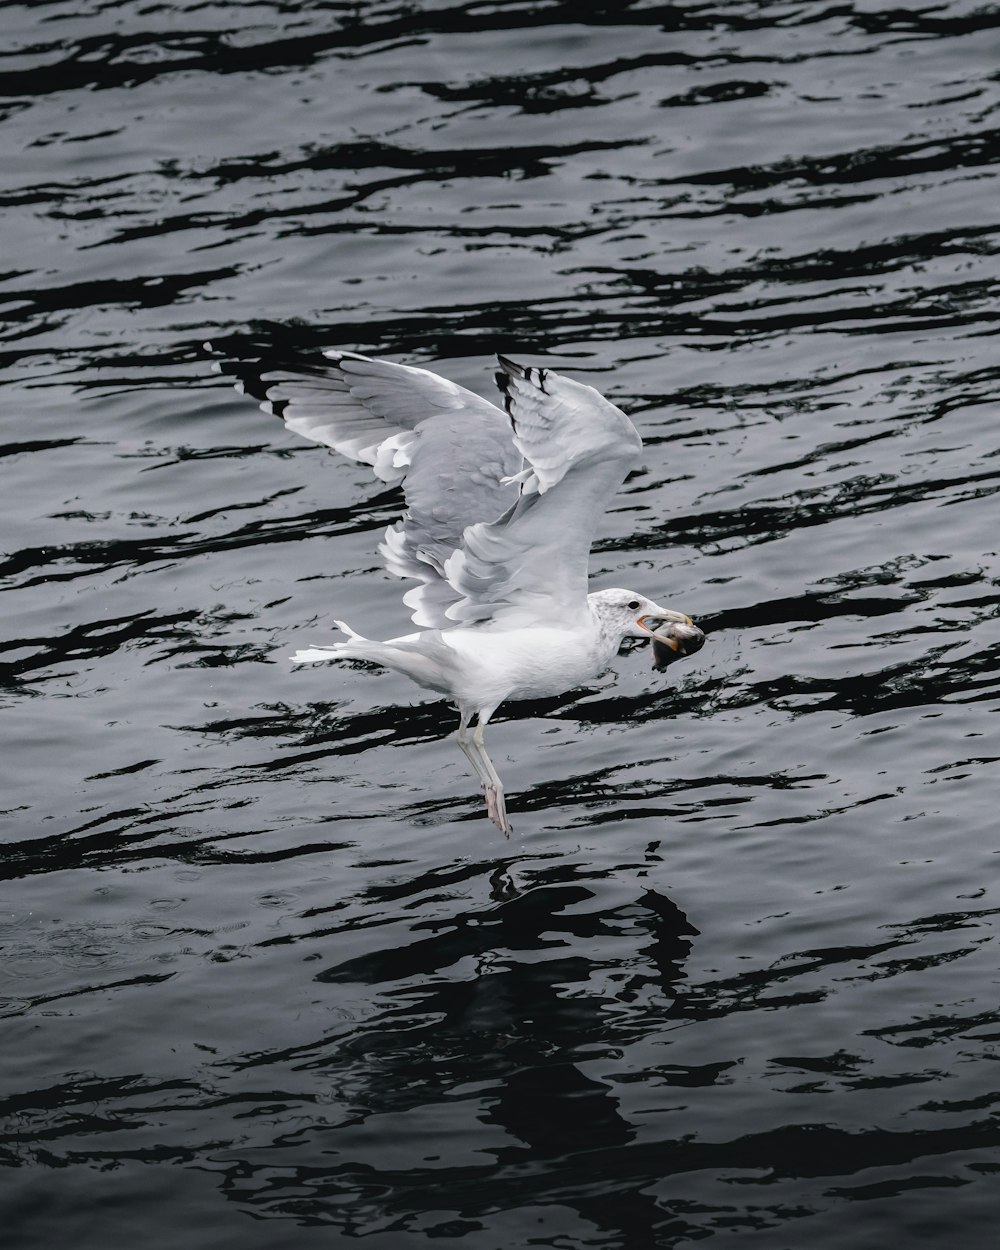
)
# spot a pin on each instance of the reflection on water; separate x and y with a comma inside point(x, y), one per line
point(266, 969)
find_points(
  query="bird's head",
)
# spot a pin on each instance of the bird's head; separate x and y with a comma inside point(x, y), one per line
point(626, 614)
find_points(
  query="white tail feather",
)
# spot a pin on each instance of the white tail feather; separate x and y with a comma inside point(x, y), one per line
point(351, 633)
point(336, 651)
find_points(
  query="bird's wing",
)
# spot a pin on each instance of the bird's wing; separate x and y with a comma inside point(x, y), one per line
point(450, 449)
point(530, 565)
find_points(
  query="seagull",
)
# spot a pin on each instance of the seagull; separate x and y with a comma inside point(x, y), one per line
point(502, 505)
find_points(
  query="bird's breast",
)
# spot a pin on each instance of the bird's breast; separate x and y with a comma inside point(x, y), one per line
point(525, 663)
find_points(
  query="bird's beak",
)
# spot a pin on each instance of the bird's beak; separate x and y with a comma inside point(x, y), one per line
point(650, 622)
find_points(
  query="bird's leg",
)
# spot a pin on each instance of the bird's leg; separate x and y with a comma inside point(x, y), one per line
point(496, 808)
point(482, 765)
point(470, 752)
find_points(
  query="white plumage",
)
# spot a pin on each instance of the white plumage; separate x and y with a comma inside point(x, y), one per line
point(501, 512)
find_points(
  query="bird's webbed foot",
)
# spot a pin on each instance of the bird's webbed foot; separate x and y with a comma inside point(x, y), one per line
point(496, 809)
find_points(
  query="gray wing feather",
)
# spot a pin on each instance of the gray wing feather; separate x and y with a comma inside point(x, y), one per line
point(532, 563)
point(451, 449)
point(485, 538)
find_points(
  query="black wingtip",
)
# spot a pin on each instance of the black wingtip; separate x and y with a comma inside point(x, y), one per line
point(503, 386)
point(524, 373)
point(511, 368)
point(249, 376)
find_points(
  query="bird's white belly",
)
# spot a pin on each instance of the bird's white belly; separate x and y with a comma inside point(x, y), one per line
point(503, 664)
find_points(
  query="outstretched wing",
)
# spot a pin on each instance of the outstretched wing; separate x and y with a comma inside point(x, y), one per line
point(450, 449)
point(531, 564)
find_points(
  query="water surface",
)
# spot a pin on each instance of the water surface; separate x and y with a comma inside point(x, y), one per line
point(268, 975)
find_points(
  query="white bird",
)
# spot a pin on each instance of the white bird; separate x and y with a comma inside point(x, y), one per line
point(501, 511)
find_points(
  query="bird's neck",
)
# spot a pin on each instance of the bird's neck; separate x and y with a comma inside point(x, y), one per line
point(608, 640)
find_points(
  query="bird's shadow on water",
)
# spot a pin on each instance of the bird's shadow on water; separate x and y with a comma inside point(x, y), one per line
point(496, 1008)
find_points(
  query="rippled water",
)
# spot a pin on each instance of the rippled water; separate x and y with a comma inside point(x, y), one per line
point(268, 976)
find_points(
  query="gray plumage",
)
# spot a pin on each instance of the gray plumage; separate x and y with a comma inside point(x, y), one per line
point(501, 511)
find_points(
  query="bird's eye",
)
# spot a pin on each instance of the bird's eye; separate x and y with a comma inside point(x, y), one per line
point(634, 604)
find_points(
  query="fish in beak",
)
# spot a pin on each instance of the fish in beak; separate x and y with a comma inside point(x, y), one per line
point(673, 635)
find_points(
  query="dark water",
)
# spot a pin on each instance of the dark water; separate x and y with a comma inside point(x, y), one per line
point(268, 977)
